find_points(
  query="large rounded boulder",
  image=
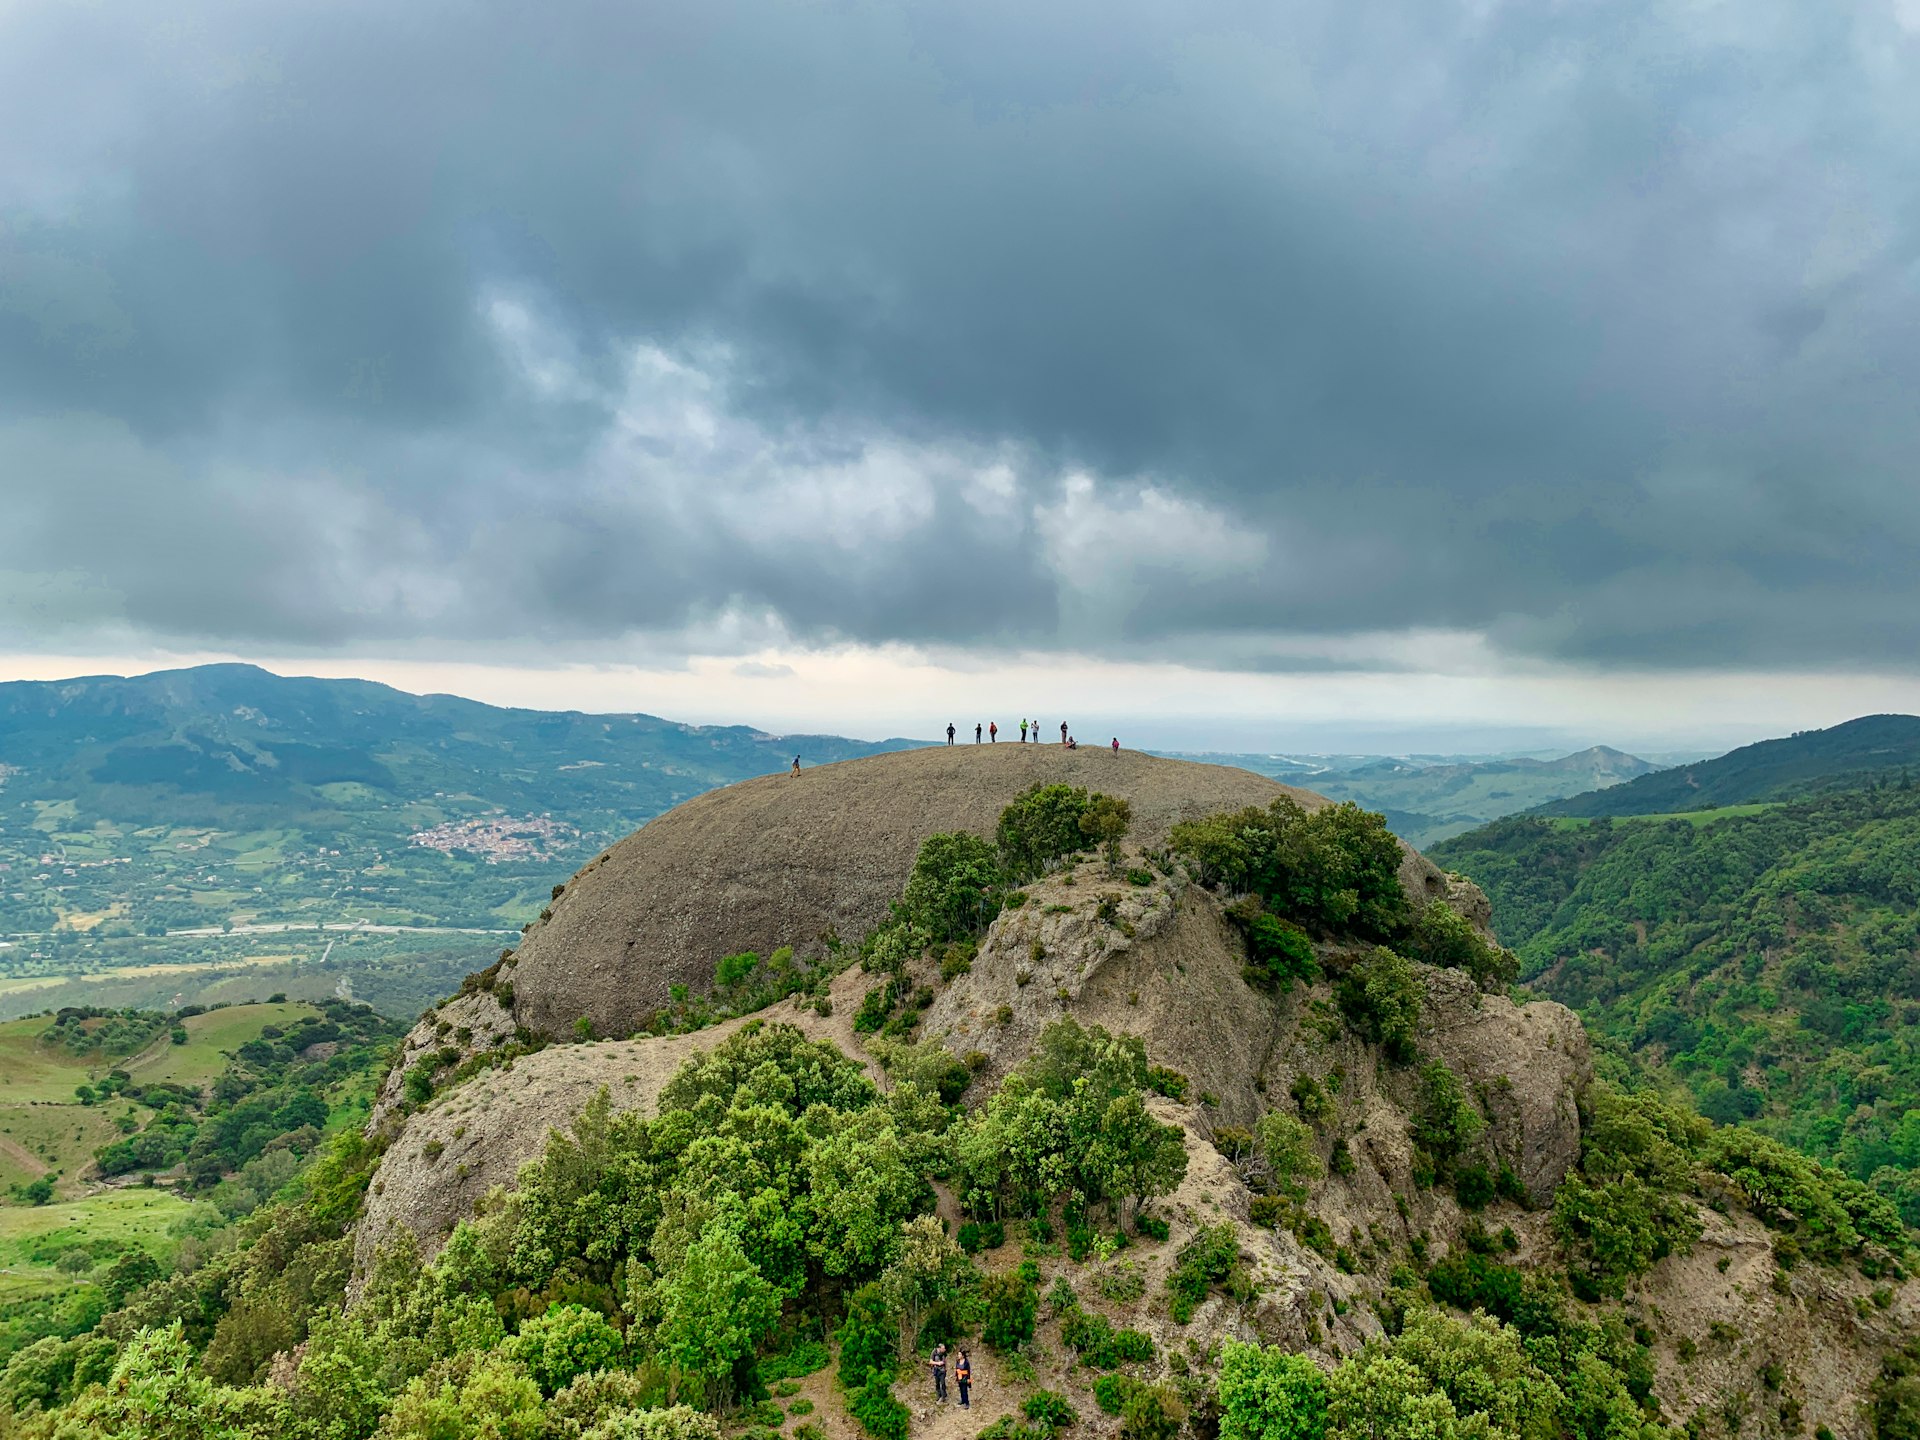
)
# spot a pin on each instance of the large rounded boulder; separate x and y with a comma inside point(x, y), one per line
point(792, 860)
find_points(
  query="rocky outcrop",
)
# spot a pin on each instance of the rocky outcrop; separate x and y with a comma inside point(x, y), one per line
point(787, 861)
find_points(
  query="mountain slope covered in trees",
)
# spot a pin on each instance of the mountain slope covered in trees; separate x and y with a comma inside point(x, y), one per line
point(1840, 757)
point(1767, 961)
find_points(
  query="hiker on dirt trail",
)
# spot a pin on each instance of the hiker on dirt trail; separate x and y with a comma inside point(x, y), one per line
point(796, 764)
point(949, 732)
point(1063, 732)
point(1116, 744)
point(993, 732)
point(1023, 732)
point(976, 732)
point(939, 1367)
point(963, 1377)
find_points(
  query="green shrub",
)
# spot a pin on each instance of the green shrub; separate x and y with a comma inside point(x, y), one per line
point(1099, 1344)
point(874, 1009)
point(1381, 998)
point(868, 1337)
point(1049, 1408)
point(954, 889)
point(1203, 1262)
point(1041, 826)
point(1110, 1392)
point(1009, 1303)
point(1152, 1227)
point(1268, 1394)
point(1335, 870)
point(801, 1358)
point(567, 1341)
point(1279, 951)
point(1152, 1412)
point(1442, 936)
point(1170, 1083)
point(879, 1413)
point(1122, 1283)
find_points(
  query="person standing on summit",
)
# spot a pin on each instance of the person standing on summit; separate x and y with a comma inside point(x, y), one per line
point(1063, 732)
point(993, 732)
point(949, 732)
point(976, 732)
point(1023, 731)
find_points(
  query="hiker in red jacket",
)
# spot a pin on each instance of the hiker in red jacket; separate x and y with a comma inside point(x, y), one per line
point(993, 732)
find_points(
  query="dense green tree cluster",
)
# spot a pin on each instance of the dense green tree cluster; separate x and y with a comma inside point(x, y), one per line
point(88, 1030)
point(1443, 1378)
point(1332, 872)
point(1769, 961)
point(1643, 1163)
point(645, 1262)
point(273, 1093)
point(1070, 1126)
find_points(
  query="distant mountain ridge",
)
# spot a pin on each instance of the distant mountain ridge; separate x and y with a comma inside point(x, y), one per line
point(1769, 770)
point(241, 735)
point(1426, 801)
point(226, 792)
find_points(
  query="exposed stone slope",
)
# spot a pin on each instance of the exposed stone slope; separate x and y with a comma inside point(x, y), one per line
point(781, 861)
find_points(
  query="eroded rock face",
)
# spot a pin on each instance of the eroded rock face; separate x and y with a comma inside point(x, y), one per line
point(1526, 1064)
point(446, 1157)
point(467, 1024)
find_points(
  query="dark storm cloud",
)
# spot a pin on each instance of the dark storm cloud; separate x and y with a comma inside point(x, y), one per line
point(1187, 331)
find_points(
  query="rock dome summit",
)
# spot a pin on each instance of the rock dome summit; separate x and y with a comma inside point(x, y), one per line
point(789, 860)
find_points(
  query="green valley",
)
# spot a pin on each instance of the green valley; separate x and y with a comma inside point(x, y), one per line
point(217, 818)
point(1764, 957)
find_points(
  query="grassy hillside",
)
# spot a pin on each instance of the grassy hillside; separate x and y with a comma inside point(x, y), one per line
point(1841, 757)
point(1768, 960)
point(35, 1240)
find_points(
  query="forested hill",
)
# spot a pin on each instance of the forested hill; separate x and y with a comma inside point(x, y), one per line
point(209, 741)
point(1769, 961)
point(225, 793)
point(1843, 756)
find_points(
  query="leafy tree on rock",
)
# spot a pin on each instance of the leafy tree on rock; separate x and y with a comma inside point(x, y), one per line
point(1268, 1394)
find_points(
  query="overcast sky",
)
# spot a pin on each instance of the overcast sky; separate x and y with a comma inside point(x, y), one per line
point(1243, 376)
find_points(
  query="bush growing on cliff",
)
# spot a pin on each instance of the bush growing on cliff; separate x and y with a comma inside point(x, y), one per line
point(1442, 936)
point(1381, 998)
point(1335, 870)
point(1042, 826)
point(1070, 1124)
point(1278, 951)
point(956, 886)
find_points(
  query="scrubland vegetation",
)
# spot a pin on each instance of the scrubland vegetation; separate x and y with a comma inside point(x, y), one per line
point(774, 1221)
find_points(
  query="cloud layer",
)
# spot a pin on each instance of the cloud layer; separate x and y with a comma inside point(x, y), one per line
point(1218, 333)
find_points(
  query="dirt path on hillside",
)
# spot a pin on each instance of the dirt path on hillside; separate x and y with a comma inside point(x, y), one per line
point(992, 1398)
point(20, 1155)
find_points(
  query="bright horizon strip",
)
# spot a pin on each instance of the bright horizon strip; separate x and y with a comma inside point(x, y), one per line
point(876, 694)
